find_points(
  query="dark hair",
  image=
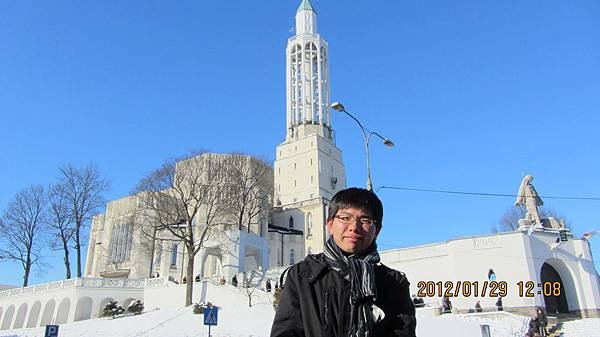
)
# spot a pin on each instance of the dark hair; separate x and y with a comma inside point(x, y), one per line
point(358, 198)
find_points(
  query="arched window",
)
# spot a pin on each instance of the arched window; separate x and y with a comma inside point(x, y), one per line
point(291, 222)
point(174, 255)
point(292, 256)
point(309, 224)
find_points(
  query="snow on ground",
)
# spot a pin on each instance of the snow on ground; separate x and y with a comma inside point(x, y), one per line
point(589, 327)
point(236, 319)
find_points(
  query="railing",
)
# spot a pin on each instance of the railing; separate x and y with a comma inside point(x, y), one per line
point(256, 278)
point(79, 283)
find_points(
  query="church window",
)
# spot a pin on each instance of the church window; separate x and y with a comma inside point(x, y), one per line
point(292, 256)
point(294, 166)
point(311, 179)
point(157, 255)
point(309, 224)
point(311, 162)
point(291, 222)
point(279, 187)
point(174, 255)
point(295, 183)
point(120, 243)
point(279, 170)
point(331, 168)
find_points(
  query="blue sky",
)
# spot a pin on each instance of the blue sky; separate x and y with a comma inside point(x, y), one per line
point(473, 93)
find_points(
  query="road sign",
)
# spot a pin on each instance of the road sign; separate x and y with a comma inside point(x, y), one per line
point(51, 331)
point(211, 316)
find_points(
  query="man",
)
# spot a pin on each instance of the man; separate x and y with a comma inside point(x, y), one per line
point(345, 291)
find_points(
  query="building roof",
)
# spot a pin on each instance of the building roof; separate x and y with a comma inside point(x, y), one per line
point(306, 5)
point(6, 287)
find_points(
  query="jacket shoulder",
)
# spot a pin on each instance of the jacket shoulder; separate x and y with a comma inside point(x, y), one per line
point(310, 268)
point(397, 275)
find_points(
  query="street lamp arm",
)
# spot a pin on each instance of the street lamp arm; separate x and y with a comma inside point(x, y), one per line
point(380, 136)
point(362, 128)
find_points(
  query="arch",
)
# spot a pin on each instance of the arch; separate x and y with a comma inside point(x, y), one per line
point(62, 313)
point(103, 303)
point(21, 313)
point(34, 314)
point(48, 313)
point(8, 316)
point(554, 304)
point(83, 309)
point(291, 222)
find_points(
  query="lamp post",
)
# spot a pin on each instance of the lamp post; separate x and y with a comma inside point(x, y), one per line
point(337, 106)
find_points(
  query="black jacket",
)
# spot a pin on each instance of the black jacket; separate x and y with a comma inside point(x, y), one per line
point(315, 302)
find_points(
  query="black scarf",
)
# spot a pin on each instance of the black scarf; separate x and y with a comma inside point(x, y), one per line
point(358, 269)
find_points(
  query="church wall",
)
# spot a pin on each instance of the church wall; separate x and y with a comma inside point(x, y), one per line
point(513, 256)
point(573, 262)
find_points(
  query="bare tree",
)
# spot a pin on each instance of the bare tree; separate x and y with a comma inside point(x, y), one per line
point(60, 223)
point(251, 184)
point(185, 198)
point(509, 221)
point(84, 188)
point(23, 223)
point(250, 288)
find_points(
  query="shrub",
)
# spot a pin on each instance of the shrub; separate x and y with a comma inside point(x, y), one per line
point(136, 307)
point(112, 309)
point(199, 307)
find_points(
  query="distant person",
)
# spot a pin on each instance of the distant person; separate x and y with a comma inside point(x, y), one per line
point(446, 304)
point(499, 304)
point(234, 281)
point(268, 285)
point(346, 291)
point(534, 326)
point(543, 321)
point(418, 301)
point(478, 307)
point(222, 280)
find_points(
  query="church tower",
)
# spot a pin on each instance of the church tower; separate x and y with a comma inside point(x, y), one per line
point(308, 166)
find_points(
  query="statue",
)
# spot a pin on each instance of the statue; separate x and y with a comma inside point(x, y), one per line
point(530, 199)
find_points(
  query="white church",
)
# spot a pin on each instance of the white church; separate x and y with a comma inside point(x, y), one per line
point(528, 265)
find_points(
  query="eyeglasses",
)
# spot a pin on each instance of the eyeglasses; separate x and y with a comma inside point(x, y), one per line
point(364, 221)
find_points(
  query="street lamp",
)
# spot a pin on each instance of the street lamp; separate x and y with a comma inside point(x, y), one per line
point(337, 106)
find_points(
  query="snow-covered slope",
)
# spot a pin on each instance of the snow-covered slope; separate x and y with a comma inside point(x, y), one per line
point(237, 319)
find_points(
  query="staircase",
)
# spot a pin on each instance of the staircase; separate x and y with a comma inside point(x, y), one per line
point(555, 324)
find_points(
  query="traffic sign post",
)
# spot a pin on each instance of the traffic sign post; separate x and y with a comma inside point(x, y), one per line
point(51, 331)
point(211, 317)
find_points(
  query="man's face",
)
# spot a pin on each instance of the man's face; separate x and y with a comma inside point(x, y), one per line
point(350, 233)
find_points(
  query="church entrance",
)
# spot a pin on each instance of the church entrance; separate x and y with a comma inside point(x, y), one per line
point(554, 304)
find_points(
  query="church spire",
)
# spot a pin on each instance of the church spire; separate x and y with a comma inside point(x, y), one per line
point(306, 6)
point(306, 19)
point(307, 78)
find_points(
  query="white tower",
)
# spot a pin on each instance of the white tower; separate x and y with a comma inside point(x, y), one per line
point(308, 166)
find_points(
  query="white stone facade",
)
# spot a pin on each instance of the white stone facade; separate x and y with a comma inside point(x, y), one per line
point(514, 257)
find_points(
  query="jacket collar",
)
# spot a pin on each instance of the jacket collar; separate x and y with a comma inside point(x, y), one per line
point(314, 267)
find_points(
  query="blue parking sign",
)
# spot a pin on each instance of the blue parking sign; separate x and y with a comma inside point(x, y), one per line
point(211, 316)
point(51, 331)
